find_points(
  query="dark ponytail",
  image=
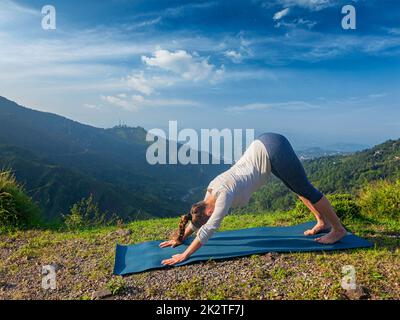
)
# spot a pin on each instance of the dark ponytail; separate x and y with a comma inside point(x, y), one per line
point(180, 233)
point(198, 218)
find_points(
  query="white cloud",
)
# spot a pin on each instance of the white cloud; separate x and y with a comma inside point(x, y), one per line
point(11, 11)
point(169, 103)
point(143, 24)
point(394, 31)
point(139, 83)
point(280, 14)
point(187, 66)
point(302, 44)
point(134, 103)
point(82, 48)
point(314, 5)
point(289, 105)
point(180, 10)
point(235, 56)
point(236, 48)
point(167, 68)
point(219, 75)
point(254, 74)
point(377, 95)
point(144, 20)
point(295, 23)
point(90, 106)
point(120, 102)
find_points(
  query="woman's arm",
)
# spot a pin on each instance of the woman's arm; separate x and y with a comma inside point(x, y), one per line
point(188, 232)
point(221, 209)
point(174, 243)
point(194, 246)
point(206, 231)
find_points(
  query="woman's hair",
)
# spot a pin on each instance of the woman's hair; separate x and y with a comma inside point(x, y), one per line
point(197, 216)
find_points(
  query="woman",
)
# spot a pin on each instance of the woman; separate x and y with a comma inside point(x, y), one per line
point(271, 152)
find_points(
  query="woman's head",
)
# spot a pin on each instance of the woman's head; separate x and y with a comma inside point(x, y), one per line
point(199, 215)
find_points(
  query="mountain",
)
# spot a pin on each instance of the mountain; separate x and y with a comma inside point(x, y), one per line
point(316, 152)
point(61, 161)
point(348, 147)
point(330, 150)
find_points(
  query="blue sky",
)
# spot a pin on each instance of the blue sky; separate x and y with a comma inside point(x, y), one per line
point(279, 65)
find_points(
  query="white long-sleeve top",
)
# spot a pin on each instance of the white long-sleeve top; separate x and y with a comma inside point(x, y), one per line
point(233, 188)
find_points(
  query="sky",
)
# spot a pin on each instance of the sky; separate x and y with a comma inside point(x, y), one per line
point(285, 66)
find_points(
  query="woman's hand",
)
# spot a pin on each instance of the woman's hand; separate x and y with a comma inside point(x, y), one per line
point(175, 259)
point(170, 243)
point(194, 246)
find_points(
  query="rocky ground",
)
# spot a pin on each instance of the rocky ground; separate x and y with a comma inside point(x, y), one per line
point(84, 263)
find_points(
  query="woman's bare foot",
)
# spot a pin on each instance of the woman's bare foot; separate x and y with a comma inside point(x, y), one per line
point(333, 236)
point(320, 227)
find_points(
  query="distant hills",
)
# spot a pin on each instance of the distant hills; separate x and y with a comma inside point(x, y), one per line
point(60, 161)
point(316, 152)
point(331, 150)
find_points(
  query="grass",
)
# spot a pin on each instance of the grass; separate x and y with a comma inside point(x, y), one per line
point(17, 210)
point(85, 260)
point(116, 285)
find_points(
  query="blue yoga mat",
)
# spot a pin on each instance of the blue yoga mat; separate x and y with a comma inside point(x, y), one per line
point(228, 244)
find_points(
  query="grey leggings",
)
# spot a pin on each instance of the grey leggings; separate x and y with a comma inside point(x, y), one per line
point(287, 167)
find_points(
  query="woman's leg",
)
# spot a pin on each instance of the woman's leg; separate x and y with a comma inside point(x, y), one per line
point(322, 225)
point(337, 232)
point(287, 167)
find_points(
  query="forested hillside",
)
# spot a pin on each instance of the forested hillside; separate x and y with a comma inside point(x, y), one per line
point(61, 161)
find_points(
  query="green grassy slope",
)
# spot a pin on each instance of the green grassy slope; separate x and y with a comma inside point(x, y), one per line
point(85, 261)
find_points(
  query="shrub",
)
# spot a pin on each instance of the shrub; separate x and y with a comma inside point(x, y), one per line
point(301, 209)
point(17, 210)
point(345, 206)
point(381, 199)
point(84, 213)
